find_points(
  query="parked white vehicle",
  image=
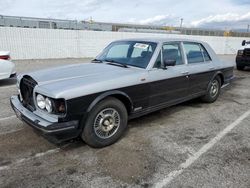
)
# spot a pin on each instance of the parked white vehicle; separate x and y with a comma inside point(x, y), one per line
point(7, 68)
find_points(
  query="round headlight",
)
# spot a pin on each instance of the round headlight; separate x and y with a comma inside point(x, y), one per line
point(48, 105)
point(40, 100)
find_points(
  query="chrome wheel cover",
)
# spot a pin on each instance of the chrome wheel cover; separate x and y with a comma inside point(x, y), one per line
point(214, 89)
point(107, 123)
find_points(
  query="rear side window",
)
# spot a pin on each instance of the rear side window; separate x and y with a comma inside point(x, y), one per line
point(205, 53)
point(196, 53)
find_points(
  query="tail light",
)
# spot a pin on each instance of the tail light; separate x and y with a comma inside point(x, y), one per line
point(5, 57)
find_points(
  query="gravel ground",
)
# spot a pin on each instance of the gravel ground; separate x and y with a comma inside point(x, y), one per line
point(153, 147)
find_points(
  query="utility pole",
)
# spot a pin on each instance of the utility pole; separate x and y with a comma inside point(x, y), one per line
point(181, 23)
point(248, 26)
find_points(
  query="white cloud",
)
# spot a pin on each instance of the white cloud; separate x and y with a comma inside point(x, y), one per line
point(230, 20)
point(63, 9)
point(160, 19)
point(72, 8)
point(156, 20)
point(6, 4)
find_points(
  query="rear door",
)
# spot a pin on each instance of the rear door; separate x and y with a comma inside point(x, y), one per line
point(200, 67)
point(171, 84)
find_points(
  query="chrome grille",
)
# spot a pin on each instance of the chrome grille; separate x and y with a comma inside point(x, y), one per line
point(247, 52)
point(27, 85)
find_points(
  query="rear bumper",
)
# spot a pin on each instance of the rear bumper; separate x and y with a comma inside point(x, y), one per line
point(243, 61)
point(54, 131)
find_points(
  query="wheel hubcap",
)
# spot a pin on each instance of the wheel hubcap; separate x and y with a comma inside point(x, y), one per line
point(106, 123)
point(214, 88)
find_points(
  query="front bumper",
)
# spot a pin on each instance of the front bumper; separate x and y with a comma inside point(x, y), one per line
point(243, 60)
point(54, 131)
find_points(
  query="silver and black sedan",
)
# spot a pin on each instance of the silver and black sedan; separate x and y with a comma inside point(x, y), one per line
point(128, 79)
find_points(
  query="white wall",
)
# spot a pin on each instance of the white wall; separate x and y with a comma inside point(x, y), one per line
point(27, 43)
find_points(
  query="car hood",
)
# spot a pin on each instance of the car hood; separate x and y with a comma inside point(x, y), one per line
point(77, 80)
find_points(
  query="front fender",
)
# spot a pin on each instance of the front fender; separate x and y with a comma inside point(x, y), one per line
point(107, 94)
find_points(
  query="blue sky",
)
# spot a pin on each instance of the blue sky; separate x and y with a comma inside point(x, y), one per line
point(221, 14)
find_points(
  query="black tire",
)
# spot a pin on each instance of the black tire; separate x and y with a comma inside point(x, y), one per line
point(95, 136)
point(240, 67)
point(213, 90)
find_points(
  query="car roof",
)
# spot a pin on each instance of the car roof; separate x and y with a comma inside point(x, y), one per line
point(161, 40)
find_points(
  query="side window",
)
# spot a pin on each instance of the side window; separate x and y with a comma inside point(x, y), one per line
point(172, 51)
point(194, 53)
point(118, 51)
point(205, 53)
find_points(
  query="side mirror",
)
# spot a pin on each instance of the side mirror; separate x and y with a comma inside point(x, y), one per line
point(169, 62)
point(243, 43)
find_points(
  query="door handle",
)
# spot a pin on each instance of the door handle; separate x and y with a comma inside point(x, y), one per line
point(185, 73)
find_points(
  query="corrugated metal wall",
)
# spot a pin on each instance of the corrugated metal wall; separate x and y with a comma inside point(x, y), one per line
point(27, 43)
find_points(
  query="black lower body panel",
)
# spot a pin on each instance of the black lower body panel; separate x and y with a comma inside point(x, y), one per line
point(64, 131)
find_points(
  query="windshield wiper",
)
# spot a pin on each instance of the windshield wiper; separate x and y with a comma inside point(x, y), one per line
point(113, 62)
point(96, 61)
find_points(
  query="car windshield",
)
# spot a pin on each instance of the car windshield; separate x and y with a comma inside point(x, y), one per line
point(133, 53)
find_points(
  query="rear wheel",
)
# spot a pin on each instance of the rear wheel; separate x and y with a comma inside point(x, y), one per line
point(106, 123)
point(213, 91)
point(240, 67)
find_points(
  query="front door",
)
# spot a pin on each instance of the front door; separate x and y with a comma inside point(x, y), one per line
point(169, 85)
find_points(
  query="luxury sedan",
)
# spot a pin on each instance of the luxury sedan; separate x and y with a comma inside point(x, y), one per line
point(128, 79)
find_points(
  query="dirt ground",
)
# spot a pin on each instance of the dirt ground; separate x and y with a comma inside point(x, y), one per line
point(151, 151)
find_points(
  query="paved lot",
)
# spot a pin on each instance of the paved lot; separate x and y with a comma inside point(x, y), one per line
point(188, 145)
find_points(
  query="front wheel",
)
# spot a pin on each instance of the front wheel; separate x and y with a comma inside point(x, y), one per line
point(213, 91)
point(106, 123)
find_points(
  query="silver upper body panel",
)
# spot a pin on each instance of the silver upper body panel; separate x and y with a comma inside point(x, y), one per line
point(72, 81)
